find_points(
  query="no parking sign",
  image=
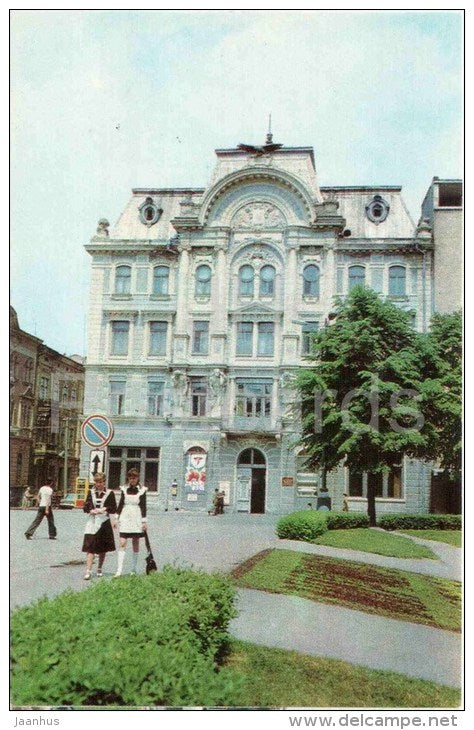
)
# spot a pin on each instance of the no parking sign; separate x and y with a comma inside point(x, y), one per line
point(97, 431)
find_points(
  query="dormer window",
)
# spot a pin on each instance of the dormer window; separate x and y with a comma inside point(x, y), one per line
point(150, 212)
point(377, 210)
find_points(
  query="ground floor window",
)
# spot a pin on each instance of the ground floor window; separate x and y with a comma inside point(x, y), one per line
point(123, 458)
point(387, 485)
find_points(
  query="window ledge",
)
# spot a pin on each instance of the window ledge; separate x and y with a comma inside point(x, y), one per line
point(308, 298)
point(400, 500)
point(200, 354)
point(120, 296)
point(164, 297)
point(398, 297)
point(202, 299)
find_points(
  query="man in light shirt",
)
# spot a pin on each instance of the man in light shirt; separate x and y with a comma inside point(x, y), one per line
point(45, 508)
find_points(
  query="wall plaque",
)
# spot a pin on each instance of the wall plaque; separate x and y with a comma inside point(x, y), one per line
point(287, 482)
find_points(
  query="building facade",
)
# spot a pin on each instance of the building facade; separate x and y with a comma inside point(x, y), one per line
point(46, 404)
point(202, 306)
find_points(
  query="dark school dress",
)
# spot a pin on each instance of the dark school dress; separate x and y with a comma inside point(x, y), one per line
point(99, 535)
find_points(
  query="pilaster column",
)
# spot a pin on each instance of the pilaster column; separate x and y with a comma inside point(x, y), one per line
point(329, 277)
point(222, 290)
point(182, 286)
point(291, 286)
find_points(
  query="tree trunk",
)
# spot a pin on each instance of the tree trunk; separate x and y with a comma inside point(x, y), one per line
point(371, 504)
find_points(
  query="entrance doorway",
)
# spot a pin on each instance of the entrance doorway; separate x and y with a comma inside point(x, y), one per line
point(251, 479)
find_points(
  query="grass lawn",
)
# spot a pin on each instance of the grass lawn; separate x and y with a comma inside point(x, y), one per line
point(373, 541)
point(279, 678)
point(452, 537)
point(383, 591)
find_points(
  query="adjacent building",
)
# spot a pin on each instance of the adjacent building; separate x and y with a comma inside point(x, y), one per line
point(202, 306)
point(46, 404)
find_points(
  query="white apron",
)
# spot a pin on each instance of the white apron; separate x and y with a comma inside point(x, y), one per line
point(130, 519)
point(95, 522)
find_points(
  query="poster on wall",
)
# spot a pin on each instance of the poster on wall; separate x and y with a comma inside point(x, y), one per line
point(195, 479)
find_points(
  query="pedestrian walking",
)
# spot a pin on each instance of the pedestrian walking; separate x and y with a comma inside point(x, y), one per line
point(345, 503)
point(101, 507)
point(45, 509)
point(132, 518)
point(29, 498)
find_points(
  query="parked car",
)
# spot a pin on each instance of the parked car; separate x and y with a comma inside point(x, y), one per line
point(68, 502)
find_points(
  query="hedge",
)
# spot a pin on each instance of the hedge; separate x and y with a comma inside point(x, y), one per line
point(420, 522)
point(309, 525)
point(142, 641)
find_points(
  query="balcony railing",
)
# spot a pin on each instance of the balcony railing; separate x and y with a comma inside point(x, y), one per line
point(256, 424)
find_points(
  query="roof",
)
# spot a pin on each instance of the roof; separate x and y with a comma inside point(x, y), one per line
point(352, 201)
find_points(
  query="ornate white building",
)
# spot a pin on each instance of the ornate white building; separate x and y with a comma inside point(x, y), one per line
point(202, 305)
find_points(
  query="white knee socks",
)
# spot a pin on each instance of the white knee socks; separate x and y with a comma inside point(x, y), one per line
point(120, 559)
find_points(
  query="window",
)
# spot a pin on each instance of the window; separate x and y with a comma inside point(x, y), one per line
point(265, 345)
point(29, 371)
point(375, 480)
point(155, 398)
point(356, 276)
point(246, 276)
point(25, 415)
point(387, 485)
point(121, 459)
point(355, 485)
point(308, 331)
point(123, 279)
point(311, 281)
point(201, 338)
point(377, 210)
point(19, 467)
point(394, 483)
point(161, 275)
point(253, 398)
point(203, 281)
point(397, 281)
point(44, 388)
point(267, 281)
point(117, 397)
point(149, 212)
point(450, 195)
point(120, 338)
point(158, 337)
point(244, 338)
point(198, 396)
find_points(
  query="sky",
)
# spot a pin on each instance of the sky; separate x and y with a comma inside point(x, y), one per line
point(104, 101)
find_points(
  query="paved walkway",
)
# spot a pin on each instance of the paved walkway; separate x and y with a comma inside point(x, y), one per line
point(332, 631)
point(46, 567)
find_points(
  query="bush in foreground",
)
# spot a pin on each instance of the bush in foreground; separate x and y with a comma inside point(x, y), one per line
point(309, 525)
point(420, 522)
point(137, 641)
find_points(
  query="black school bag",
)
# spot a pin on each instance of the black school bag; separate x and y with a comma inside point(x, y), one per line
point(149, 560)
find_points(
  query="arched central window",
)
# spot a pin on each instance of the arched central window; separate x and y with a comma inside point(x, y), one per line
point(397, 281)
point(161, 275)
point(123, 279)
point(356, 276)
point(203, 280)
point(267, 281)
point(246, 277)
point(311, 281)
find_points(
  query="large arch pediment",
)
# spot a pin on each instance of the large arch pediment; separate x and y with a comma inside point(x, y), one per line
point(257, 197)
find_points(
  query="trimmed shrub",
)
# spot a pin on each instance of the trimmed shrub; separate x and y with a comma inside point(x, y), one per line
point(346, 520)
point(420, 522)
point(138, 641)
point(305, 525)
point(310, 524)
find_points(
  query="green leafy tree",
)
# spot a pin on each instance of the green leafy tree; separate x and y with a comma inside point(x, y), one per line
point(359, 395)
point(441, 392)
